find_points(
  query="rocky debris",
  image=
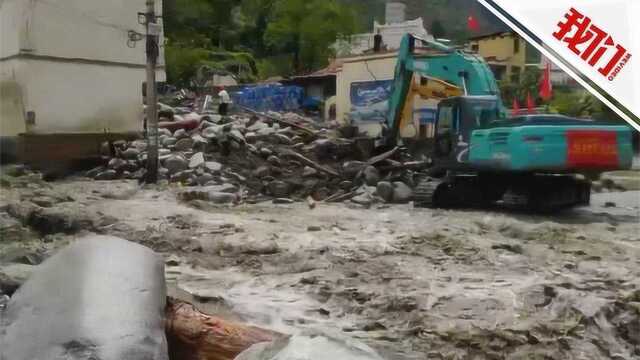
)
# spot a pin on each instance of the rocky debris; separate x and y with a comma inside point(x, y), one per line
point(309, 171)
point(385, 190)
point(11, 230)
point(213, 167)
point(68, 218)
point(279, 189)
point(14, 170)
point(176, 163)
point(283, 201)
point(371, 176)
point(401, 192)
point(12, 276)
point(19, 254)
point(131, 153)
point(285, 156)
point(184, 145)
point(217, 194)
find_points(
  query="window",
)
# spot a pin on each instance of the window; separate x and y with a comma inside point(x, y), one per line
point(516, 45)
point(515, 74)
point(445, 121)
point(498, 71)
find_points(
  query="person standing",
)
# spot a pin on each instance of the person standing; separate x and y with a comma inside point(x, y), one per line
point(225, 101)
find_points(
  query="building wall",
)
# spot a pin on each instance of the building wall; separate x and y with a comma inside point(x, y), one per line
point(501, 50)
point(361, 68)
point(73, 98)
point(68, 61)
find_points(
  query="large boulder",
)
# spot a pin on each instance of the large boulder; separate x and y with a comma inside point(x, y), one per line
point(385, 190)
point(402, 193)
point(99, 298)
point(197, 160)
point(176, 163)
point(371, 176)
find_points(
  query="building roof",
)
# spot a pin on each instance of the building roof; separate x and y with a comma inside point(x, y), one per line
point(330, 71)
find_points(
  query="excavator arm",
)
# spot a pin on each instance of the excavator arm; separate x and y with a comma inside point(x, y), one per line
point(451, 72)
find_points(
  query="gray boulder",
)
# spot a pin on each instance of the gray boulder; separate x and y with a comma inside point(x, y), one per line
point(213, 167)
point(131, 153)
point(221, 198)
point(166, 142)
point(107, 175)
point(279, 189)
point(197, 160)
point(401, 192)
point(309, 171)
point(385, 190)
point(185, 144)
point(371, 176)
point(352, 168)
point(180, 133)
point(176, 163)
point(99, 298)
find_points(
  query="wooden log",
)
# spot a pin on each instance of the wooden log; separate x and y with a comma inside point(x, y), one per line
point(193, 335)
point(173, 126)
point(306, 161)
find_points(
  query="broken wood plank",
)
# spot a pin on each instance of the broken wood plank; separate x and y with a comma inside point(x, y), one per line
point(343, 197)
point(309, 162)
point(193, 335)
point(376, 159)
point(413, 165)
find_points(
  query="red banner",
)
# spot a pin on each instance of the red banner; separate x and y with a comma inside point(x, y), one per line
point(592, 149)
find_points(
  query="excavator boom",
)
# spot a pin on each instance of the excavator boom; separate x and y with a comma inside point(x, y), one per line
point(458, 73)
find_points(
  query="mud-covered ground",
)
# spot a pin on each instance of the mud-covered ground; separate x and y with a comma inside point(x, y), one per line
point(412, 283)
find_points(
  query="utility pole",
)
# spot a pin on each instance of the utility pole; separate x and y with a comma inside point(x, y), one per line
point(152, 50)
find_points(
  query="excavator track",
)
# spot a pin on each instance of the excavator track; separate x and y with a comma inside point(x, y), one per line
point(548, 193)
point(424, 193)
point(536, 193)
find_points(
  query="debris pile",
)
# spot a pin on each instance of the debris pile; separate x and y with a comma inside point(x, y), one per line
point(254, 157)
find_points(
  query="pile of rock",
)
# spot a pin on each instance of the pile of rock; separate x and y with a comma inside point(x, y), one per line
point(251, 157)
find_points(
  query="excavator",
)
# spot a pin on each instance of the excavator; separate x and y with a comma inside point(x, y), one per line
point(478, 155)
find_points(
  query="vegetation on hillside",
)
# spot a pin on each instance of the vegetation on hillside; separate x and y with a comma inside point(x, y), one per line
point(251, 39)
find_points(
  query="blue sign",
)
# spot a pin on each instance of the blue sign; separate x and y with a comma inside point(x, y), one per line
point(426, 116)
point(370, 100)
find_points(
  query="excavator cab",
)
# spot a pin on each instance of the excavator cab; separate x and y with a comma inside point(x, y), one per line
point(456, 119)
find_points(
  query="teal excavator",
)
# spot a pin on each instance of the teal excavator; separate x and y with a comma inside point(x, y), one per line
point(478, 155)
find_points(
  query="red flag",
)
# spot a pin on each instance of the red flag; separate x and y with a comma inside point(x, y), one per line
point(472, 24)
point(546, 88)
point(531, 104)
point(516, 107)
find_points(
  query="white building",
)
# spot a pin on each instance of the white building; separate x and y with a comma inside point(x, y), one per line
point(66, 67)
point(391, 37)
point(392, 31)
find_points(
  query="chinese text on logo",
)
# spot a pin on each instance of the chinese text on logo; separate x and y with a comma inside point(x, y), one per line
point(592, 43)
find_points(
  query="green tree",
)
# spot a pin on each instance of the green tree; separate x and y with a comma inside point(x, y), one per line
point(528, 84)
point(306, 29)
